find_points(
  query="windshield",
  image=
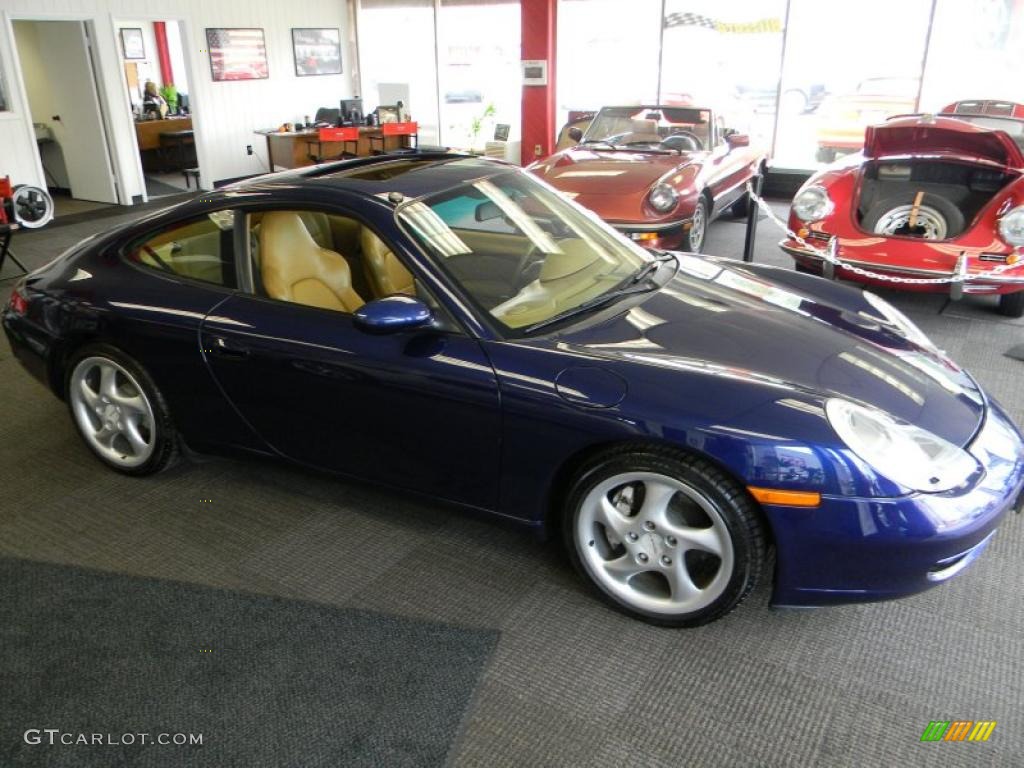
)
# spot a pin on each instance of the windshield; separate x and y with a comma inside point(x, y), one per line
point(668, 128)
point(1012, 126)
point(522, 252)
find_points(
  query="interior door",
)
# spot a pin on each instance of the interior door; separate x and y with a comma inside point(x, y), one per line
point(73, 97)
point(416, 410)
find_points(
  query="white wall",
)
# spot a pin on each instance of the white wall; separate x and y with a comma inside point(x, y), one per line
point(224, 114)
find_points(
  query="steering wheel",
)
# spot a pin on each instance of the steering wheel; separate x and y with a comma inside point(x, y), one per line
point(525, 262)
point(698, 145)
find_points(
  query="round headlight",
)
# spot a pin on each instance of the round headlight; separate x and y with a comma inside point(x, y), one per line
point(1011, 226)
point(907, 455)
point(812, 204)
point(663, 198)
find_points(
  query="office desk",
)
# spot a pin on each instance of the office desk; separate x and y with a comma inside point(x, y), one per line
point(148, 131)
point(295, 149)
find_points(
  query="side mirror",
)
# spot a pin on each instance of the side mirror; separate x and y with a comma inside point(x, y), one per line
point(393, 314)
point(575, 134)
point(737, 140)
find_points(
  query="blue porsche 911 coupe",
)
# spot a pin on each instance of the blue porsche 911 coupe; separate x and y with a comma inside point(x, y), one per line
point(456, 328)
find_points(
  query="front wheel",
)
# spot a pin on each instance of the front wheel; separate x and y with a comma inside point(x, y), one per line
point(693, 238)
point(664, 537)
point(119, 412)
point(1012, 304)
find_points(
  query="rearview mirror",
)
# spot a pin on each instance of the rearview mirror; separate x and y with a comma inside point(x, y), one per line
point(486, 211)
point(575, 133)
point(737, 140)
point(393, 314)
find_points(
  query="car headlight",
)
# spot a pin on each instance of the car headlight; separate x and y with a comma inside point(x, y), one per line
point(907, 455)
point(663, 198)
point(812, 204)
point(905, 325)
point(1011, 226)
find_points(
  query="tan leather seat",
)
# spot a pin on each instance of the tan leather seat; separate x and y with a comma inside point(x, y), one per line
point(385, 272)
point(294, 268)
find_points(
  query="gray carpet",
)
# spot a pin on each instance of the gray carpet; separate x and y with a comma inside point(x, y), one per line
point(570, 682)
point(251, 681)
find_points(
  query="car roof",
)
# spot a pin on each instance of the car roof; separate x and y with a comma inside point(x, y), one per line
point(410, 174)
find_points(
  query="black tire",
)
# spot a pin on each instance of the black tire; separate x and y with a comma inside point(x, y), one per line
point(805, 269)
point(689, 242)
point(1012, 304)
point(738, 511)
point(165, 438)
point(954, 219)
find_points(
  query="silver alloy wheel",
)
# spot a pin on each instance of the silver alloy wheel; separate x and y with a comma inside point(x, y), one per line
point(112, 412)
point(928, 220)
point(638, 537)
point(697, 224)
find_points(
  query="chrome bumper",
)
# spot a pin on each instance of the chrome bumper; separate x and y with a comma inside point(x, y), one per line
point(963, 285)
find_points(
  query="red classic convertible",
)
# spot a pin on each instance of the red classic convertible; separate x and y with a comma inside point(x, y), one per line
point(931, 197)
point(659, 174)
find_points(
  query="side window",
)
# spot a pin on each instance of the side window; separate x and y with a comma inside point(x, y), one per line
point(200, 249)
point(322, 260)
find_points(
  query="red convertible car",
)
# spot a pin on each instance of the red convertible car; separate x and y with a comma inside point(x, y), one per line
point(931, 197)
point(658, 174)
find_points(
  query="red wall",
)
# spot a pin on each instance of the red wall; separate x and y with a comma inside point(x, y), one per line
point(539, 26)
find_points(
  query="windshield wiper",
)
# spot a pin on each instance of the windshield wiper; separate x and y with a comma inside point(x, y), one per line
point(626, 288)
point(602, 142)
point(650, 267)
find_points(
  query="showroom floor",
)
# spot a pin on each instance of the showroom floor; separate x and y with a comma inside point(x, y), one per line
point(535, 672)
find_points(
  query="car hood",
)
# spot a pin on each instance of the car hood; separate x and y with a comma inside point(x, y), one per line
point(715, 318)
point(600, 172)
point(930, 135)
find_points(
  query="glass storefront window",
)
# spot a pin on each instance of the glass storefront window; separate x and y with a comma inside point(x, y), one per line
point(479, 48)
point(607, 54)
point(398, 57)
point(725, 55)
point(857, 64)
point(976, 52)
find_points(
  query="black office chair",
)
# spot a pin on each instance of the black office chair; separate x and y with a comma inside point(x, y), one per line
point(328, 115)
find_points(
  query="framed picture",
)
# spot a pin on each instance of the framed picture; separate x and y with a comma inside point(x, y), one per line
point(317, 51)
point(131, 43)
point(237, 54)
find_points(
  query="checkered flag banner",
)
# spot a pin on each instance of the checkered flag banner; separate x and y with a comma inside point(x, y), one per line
point(685, 19)
point(689, 20)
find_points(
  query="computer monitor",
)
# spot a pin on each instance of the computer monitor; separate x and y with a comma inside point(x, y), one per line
point(351, 112)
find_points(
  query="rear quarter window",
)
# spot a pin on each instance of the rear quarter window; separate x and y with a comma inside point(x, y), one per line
point(198, 249)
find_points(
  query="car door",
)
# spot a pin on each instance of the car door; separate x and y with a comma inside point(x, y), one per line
point(728, 170)
point(418, 410)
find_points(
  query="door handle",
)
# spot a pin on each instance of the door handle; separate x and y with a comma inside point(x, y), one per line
point(218, 345)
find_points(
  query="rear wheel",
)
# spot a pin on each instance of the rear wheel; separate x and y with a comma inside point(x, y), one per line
point(119, 412)
point(664, 537)
point(1012, 304)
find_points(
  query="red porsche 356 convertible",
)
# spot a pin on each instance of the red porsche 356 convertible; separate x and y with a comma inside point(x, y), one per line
point(934, 198)
point(659, 174)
